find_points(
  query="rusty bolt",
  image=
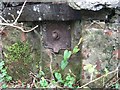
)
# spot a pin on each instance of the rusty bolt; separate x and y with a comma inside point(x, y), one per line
point(55, 35)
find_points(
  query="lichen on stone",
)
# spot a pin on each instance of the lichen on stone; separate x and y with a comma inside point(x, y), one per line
point(94, 4)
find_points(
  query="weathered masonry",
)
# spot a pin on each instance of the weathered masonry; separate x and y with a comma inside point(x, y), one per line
point(59, 29)
point(55, 18)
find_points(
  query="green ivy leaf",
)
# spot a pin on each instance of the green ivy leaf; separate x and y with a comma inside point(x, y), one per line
point(43, 82)
point(8, 78)
point(76, 49)
point(117, 86)
point(4, 85)
point(70, 78)
point(64, 64)
point(1, 64)
point(69, 81)
point(1, 67)
point(68, 85)
point(40, 74)
point(1, 80)
point(58, 76)
point(67, 54)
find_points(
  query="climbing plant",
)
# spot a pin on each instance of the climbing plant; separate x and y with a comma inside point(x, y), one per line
point(67, 55)
point(4, 77)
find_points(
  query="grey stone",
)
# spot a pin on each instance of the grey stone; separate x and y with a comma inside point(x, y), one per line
point(94, 4)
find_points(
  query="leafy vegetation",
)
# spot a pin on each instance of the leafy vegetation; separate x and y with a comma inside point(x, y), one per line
point(21, 52)
point(18, 51)
point(67, 82)
point(67, 55)
point(4, 77)
point(43, 82)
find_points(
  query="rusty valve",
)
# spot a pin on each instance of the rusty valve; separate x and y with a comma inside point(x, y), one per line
point(55, 35)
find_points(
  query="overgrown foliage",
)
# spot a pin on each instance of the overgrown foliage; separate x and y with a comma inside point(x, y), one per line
point(67, 55)
point(18, 51)
point(4, 77)
point(67, 82)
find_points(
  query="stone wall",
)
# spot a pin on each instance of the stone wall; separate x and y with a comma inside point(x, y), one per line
point(99, 48)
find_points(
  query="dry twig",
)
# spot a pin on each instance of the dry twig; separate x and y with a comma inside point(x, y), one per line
point(14, 23)
point(21, 10)
point(98, 78)
point(3, 19)
point(18, 27)
point(113, 83)
point(49, 53)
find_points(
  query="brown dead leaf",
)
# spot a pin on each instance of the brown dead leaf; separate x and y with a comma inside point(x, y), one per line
point(98, 75)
